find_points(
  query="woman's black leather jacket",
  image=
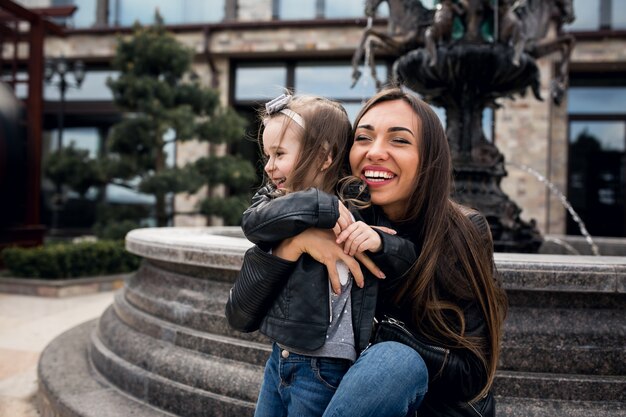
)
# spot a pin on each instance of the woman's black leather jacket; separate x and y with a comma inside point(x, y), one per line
point(260, 298)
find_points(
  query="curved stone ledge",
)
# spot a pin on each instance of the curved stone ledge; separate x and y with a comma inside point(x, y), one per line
point(166, 342)
point(563, 273)
point(217, 247)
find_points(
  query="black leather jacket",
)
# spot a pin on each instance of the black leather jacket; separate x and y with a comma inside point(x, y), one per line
point(290, 301)
point(254, 305)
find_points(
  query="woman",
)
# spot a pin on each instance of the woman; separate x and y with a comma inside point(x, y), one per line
point(448, 296)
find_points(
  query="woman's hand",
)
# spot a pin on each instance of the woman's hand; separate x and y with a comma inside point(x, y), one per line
point(320, 245)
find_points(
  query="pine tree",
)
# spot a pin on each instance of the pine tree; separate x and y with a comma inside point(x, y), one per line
point(163, 104)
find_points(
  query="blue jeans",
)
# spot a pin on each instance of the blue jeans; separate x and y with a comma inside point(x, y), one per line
point(389, 379)
point(298, 386)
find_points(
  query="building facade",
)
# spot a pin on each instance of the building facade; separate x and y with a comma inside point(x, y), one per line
point(252, 49)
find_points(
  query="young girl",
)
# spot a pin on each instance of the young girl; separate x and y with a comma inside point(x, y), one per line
point(315, 330)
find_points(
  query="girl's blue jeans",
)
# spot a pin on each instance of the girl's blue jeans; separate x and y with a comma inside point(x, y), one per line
point(298, 385)
point(389, 379)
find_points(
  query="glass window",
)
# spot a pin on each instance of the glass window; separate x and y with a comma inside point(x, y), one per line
point(257, 82)
point(587, 15)
point(618, 14)
point(87, 138)
point(93, 88)
point(605, 136)
point(301, 9)
point(85, 14)
point(344, 8)
point(173, 12)
point(334, 80)
point(597, 100)
point(596, 181)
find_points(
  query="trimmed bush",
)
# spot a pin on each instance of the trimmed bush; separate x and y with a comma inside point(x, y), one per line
point(70, 260)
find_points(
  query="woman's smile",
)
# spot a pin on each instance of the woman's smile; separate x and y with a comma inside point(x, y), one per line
point(376, 176)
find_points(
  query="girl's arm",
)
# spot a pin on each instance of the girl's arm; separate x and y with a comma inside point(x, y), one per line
point(262, 275)
point(271, 220)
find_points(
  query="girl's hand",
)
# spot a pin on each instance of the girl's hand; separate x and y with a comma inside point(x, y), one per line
point(345, 219)
point(320, 245)
point(359, 237)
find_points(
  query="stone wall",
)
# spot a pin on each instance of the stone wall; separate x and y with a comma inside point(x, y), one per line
point(254, 10)
point(534, 133)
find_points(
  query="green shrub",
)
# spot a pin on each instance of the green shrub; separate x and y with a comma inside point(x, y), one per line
point(70, 260)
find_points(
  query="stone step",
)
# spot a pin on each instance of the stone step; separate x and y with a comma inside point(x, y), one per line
point(535, 340)
point(70, 387)
point(179, 302)
point(170, 377)
point(234, 348)
point(527, 384)
point(565, 326)
point(193, 349)
point(531, 407)
point(560, 386)
point(185, 300)
point(590, 359)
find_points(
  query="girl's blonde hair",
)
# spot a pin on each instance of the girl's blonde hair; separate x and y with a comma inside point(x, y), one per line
point(326, 133)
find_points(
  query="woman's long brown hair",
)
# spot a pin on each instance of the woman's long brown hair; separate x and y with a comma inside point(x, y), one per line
point(456, 259)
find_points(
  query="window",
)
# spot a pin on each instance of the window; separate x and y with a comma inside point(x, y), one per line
point(599, 15)
point(259, 82)
point(302, 9)
point(93, 88)
point(256, 83)
point(321, 9)
point(597, 154)
point(127, 12)
point(85, 14)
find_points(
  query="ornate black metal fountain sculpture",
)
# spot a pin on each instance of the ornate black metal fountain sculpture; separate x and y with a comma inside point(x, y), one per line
point(462, 57)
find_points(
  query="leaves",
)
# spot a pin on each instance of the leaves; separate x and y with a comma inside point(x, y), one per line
point(226, 126)
point(163, 104)
point(73, 167)
point(229, 208)
point(233, 171)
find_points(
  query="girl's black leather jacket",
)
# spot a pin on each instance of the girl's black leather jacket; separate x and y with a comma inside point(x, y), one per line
point(261, 296)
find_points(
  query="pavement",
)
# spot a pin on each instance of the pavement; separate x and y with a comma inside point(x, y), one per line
point(27, 325)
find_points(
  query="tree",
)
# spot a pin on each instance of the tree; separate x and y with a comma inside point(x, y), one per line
point(163, 104)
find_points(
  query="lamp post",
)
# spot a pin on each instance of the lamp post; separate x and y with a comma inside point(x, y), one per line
point(60, 68)
point(57, 74)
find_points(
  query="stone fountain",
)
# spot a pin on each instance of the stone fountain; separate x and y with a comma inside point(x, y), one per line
point(464, 56)
point(164, 347)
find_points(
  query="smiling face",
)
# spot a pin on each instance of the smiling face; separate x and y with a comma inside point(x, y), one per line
point(281, 146)
point(385, 154)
